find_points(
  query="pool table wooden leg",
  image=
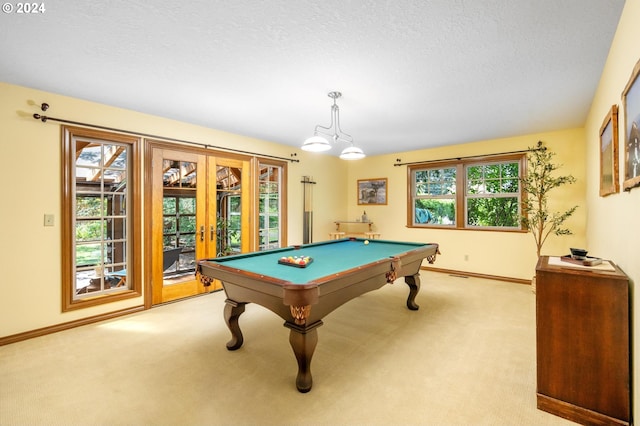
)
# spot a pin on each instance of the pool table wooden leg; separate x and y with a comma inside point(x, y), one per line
point(413, 281)
point(232, 311)
point(303, 340)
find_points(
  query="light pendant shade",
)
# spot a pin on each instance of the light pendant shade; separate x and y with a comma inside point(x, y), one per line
point(316, 144)
point(352, 153)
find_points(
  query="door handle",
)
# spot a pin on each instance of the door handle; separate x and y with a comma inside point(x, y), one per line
point(202, 233)
point(213, 233)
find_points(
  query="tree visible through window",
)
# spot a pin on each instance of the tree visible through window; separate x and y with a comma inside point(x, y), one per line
point(493, 195)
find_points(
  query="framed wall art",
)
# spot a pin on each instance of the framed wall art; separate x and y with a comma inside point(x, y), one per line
point(609, 183)
point(372, 191)
point(631, 104)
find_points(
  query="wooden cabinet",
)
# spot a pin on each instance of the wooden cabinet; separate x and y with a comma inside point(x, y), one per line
point(583, 342)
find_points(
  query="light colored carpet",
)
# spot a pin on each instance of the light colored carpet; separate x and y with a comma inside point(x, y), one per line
point(467, 357)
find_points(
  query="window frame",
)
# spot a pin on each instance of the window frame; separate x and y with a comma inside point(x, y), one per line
point(461, 190)
point(134, 233)
point(282, 168)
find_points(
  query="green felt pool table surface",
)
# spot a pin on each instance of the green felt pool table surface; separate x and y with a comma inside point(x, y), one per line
point(329, 258)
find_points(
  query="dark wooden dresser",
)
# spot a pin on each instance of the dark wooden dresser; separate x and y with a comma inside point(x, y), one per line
point(583, 341)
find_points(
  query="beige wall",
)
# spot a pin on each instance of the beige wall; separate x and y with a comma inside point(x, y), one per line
point(30, 253)
point(32, 288)
point(613, 224)
point(506, 254)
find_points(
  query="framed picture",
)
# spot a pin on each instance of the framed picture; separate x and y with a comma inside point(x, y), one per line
point(609, 153)
point(372, 191)
point(631, 103)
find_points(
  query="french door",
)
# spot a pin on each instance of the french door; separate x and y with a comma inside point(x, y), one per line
point(200, 209)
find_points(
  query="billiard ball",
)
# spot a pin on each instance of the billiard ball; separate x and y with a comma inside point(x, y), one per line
point(366, 242)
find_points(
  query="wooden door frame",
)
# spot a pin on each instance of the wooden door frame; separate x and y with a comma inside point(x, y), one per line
point(248, 204)
point(149, 146)
point(255, 185)
point(190, 286)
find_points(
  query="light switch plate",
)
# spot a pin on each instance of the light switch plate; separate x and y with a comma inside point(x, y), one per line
point(48, 220)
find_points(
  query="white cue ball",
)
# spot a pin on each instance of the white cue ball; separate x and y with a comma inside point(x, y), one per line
point(366, 241)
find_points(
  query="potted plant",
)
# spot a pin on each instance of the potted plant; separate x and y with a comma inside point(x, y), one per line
point(538, 182)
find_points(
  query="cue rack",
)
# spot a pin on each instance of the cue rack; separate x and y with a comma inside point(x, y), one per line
point(307, 218)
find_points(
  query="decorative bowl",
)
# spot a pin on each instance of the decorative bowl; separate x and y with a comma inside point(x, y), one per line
point(579, 254)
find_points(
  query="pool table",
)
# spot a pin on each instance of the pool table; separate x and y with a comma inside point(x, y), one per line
point(302, 295)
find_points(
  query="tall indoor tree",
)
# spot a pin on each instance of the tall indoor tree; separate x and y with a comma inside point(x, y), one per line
point(540, 179)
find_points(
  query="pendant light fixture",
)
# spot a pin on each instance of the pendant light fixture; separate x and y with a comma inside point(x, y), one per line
point(318, 143)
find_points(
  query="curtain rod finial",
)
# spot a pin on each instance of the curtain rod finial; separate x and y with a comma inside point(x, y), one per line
point(42, 118)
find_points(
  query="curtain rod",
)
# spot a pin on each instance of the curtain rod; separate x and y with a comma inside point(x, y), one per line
point(45, 118)
point(539, 147)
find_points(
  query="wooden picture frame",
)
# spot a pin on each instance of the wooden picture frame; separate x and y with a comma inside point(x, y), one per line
point(631, 104)
point(609, 182)
point(372, 191)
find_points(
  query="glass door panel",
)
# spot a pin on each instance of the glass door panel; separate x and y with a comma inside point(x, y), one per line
point(179, 216)
point(229, 210)
point(179, 231)
point(232, 190)
point(269, 206)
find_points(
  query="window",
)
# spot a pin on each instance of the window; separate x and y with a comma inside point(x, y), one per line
point(435, 196)
point(270, 232)
point(492, 195)
point(468, 194)
point(99, 216)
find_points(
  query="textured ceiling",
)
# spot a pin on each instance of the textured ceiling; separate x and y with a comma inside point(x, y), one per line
point(413, 73)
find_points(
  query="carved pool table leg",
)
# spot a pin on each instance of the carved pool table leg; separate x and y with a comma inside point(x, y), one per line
point(413, 281)
point(232, 311)
point(303, 340)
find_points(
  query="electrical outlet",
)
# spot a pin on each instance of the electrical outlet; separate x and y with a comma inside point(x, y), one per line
point(48, 220)
point(466, 257)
